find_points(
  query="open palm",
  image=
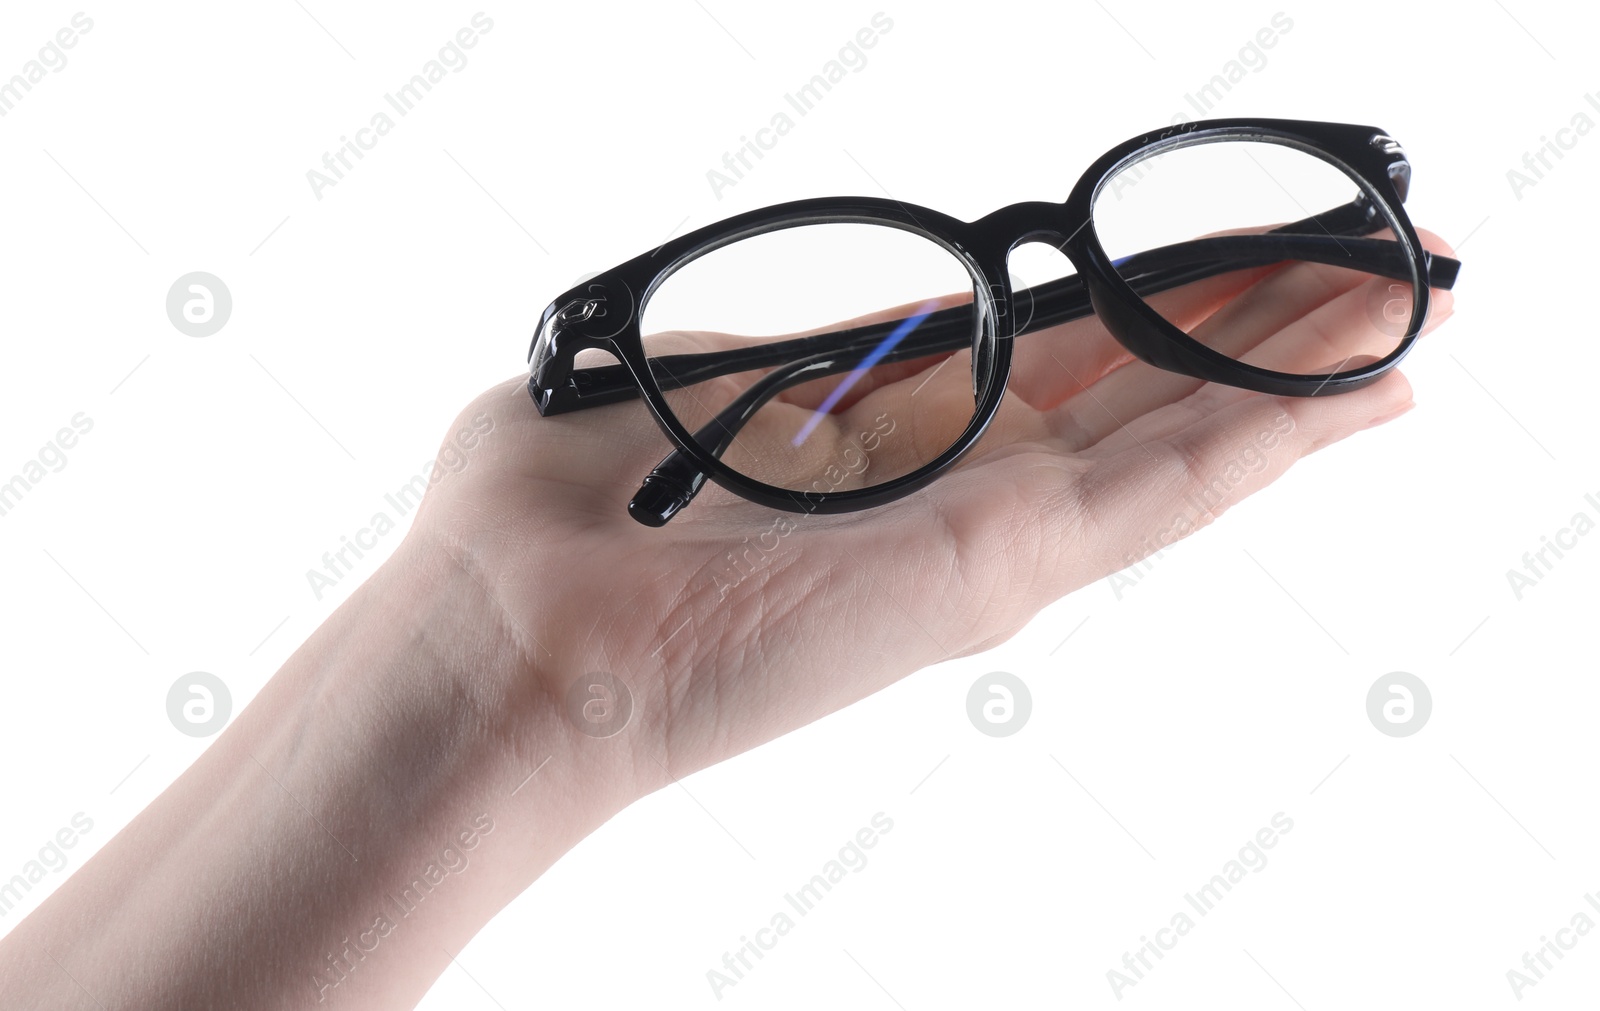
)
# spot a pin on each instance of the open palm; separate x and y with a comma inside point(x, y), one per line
point(735, 623)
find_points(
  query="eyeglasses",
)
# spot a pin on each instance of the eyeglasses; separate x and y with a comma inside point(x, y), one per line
point(1184, 243)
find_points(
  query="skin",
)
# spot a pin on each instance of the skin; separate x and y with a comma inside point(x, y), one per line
point(430, 708)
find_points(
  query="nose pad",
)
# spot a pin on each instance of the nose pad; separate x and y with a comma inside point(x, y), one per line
point(982, 356)
point(1029, 265)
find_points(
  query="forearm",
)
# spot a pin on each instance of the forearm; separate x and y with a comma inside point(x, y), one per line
point(352, 830)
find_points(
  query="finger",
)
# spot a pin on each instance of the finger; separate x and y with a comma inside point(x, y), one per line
point(1267, 307)
point(1057, 523)
point(1132, 406)
point(1256, 318)
point(1107, 406)
point(1051, 365)
point(1213, 396)
point(1362, 324)
point(1047, 365)
point(1057, 363)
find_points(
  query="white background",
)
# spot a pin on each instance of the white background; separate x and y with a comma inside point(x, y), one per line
point(1228, 685)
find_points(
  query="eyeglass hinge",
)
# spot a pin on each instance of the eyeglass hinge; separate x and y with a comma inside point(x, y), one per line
point(1387, 144)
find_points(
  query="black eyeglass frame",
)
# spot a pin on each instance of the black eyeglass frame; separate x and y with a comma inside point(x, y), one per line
point(604, 312)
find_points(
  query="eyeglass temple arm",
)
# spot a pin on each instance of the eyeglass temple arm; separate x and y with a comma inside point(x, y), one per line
point(676, 480)
point(1054, 302)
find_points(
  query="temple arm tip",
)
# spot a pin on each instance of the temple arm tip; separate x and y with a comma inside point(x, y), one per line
point(1442, 271)
point(657, 500)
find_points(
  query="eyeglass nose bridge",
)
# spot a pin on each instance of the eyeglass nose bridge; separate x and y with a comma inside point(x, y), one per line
point(1030, 221)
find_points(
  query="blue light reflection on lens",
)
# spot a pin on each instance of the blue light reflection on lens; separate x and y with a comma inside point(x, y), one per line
point(886, 345)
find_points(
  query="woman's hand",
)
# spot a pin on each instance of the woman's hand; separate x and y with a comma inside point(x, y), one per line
point(442, 739)
point(734, 624)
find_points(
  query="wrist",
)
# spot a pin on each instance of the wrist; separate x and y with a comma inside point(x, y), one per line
point(431, 774)
point(477, 689)
point(382, 797)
